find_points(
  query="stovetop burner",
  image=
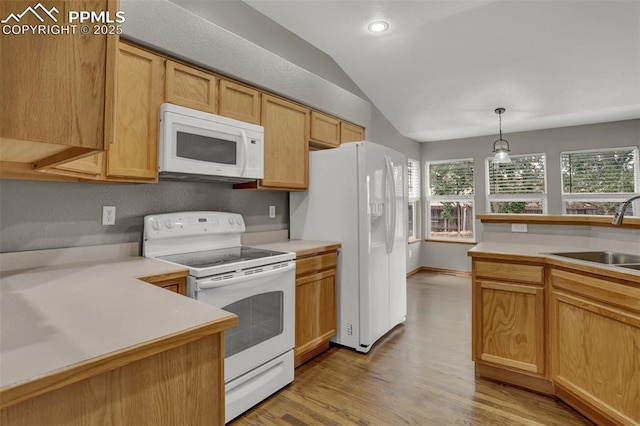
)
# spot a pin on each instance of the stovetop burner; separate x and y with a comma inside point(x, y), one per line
point(211, 258)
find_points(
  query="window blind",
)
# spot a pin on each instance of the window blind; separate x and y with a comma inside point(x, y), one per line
point(413, 180)
point(597, 172)
point(524, 175)
point(451, 178)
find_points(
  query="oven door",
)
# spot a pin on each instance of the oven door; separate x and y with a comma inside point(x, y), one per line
point(264, 303)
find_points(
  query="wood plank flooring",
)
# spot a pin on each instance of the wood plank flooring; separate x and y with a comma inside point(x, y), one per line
point(419, 374)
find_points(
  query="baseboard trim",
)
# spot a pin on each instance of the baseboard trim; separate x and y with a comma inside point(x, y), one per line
point(441, 271)
point(415, 271)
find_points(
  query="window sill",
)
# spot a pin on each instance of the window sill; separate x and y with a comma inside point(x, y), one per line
point(431, 240)
point(566, 219)
point(414, 241)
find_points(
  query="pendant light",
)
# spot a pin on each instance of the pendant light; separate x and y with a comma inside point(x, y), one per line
point(501, 146)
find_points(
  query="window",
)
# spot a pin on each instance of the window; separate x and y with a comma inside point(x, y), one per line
point(519, 186)
point(594, 182)
point(413, 186)
point(450, 211)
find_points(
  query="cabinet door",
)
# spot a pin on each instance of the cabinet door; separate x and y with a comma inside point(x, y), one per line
point(595, 339)
point(134, 153)
point(239, 102)
point(325, 131)
point(350, 132)
point(315, 311)
point(54, 90)
point(190, 87)
point(511, 327)
point(286, 148)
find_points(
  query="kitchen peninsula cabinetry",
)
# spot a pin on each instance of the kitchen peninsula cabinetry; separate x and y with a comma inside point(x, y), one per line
point(315, 303)
point(57, 92)
point(286, 149)
point(133, 155)
point(595, 344)
point(191, 88)
point(508, 313)
point(565, 328)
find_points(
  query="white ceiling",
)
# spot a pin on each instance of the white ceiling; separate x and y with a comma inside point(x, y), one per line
point(444, 66)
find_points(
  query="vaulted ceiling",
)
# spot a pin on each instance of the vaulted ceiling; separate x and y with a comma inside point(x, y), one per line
point(442, 67)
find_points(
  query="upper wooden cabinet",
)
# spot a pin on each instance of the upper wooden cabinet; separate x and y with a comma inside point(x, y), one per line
point(286, 148)
point(239, 101)
point(133, 155)
point(190, 87)
point(350, 132)
point(57, 91)
point(325, 131)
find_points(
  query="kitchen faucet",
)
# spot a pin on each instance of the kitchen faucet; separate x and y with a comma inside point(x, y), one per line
point(619, 216)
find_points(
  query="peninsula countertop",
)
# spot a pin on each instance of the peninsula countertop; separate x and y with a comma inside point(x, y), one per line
point(58, 316)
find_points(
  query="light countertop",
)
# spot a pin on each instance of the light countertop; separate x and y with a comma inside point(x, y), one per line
point(543, 253)
point(55, 316)
point(301, 247)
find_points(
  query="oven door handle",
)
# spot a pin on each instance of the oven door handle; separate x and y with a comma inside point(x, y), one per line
point(211, 283)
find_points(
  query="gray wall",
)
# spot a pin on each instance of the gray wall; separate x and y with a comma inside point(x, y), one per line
point(551, 142)
point(40, 215)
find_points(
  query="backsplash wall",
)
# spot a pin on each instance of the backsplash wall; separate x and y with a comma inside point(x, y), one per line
point(42, 215)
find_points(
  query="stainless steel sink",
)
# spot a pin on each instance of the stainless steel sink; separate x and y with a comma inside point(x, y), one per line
point(604, 257)
point(635, 266)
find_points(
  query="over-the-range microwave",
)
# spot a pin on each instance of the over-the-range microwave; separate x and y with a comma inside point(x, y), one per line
point(199, 146)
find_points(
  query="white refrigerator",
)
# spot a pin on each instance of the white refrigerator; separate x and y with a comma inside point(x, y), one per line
point(357, 196)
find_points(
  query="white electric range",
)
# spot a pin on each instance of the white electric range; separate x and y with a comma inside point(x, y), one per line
point(255, 284)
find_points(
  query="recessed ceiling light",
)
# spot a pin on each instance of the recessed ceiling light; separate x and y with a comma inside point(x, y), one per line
point(378, 27)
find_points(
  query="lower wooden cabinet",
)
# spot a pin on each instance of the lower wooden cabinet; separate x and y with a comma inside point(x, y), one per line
point(595, 345)
point(562, 329)
point(315, 304)
point(177, 284)
point(509, 317)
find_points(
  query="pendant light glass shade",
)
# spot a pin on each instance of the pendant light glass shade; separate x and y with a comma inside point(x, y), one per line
point(501, 146)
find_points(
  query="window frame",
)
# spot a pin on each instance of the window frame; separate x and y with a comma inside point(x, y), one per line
point(510, 198)
point(602, 197)
point(417, 204)
point(470, 198)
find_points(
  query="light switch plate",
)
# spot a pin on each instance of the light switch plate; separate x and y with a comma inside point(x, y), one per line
point(519, 227)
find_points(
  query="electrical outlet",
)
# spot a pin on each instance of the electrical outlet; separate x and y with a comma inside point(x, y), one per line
point(272, 212)
point(108, 215)
point(519, 227)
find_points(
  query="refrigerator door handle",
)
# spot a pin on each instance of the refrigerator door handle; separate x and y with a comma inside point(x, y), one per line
point(390, 204)
point(394, 207)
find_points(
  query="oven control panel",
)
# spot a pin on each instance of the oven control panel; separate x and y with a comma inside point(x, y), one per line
point(169, 225)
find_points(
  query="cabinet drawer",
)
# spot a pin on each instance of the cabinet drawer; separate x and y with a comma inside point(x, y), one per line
point(316, 263)
point(509, 271)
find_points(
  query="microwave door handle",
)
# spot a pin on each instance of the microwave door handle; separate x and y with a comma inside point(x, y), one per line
point(245, 151)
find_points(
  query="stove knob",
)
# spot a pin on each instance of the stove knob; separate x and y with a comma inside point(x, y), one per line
point(230, 221)
point(157, 225)
point(168, 224)
point(239, 221)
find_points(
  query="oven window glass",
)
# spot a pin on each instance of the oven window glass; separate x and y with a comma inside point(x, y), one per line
point(206, 148)
point(260, 318)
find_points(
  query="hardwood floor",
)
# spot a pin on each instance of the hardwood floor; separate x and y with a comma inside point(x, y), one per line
point(420, 374)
